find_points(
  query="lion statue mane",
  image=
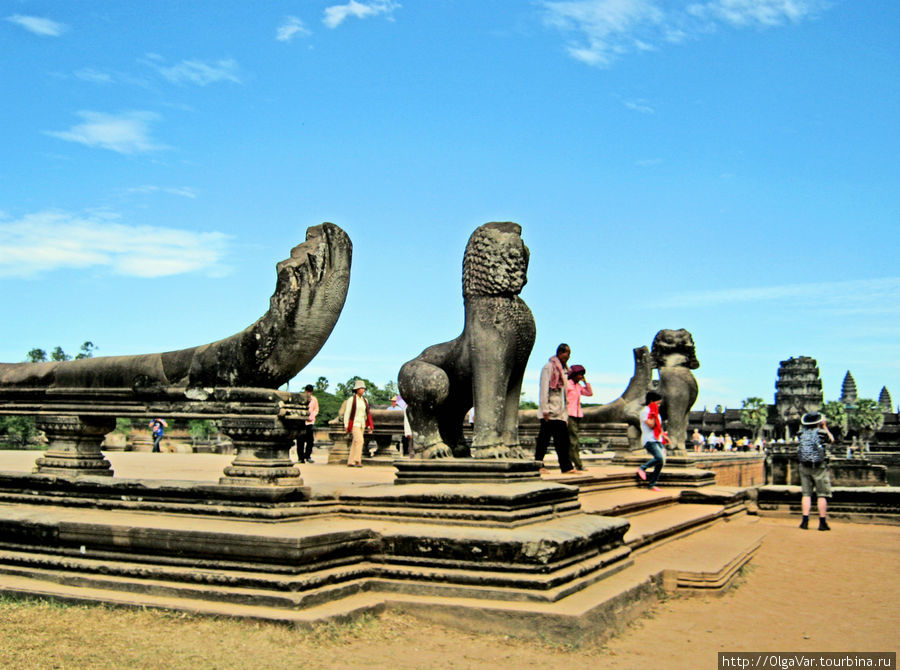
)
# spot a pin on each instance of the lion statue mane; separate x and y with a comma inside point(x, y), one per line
point(484, 366)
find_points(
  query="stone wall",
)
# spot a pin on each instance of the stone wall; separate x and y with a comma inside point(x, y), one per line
point(735, 470)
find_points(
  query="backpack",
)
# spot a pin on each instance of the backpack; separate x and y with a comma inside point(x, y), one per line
point(810, 448)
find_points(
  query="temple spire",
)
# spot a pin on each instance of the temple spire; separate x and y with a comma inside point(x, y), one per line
point(848, 390)
point(884, 399)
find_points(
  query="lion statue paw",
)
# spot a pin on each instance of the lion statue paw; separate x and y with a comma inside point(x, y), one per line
point(495, 451)
point(439, 450)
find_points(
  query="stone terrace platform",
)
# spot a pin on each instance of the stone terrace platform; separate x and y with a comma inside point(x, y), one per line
point(575, 555)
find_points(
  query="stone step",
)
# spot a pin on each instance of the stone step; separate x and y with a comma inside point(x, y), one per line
point(666, 523)
point(627, 501)
point(705, 562)
point(305, 589)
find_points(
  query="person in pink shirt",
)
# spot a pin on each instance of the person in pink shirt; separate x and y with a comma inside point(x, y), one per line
point(576, 387)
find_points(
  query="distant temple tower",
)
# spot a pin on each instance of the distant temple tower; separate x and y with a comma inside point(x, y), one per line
point(884, 399)
point(848, 390)
point(798, 390)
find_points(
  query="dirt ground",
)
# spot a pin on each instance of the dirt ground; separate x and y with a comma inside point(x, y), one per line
point(805, 591)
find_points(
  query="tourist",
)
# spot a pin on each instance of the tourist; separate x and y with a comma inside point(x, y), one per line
point(727, 443)
point(576, 387)
point(157, 428)
point(357, 417)
point(813, 459)
point(697, 441)
point(552, 410)
point(652, 437)
point(307, 440)
point(395, 403)
point(406, 440)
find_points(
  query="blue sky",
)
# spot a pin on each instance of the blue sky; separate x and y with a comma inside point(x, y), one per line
point(727, 166)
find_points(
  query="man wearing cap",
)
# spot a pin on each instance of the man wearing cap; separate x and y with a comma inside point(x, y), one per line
point(307, 440)
point(576, 387)
point(357, 417)
point(813, 467)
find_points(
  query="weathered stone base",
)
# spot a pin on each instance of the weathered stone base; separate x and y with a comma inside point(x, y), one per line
point(874, 504)
point(727, 469)
point(517, 557)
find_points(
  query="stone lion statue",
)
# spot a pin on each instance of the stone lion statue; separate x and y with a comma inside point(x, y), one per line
point(484, 366)
point(674, 354)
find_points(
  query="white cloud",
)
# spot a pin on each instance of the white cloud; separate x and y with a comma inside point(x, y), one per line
point(639, 106)
point(46, 241)
point(291, 27)
point(850, 297)
point(37, 25)
point(337, 14)
point(748, 12)
point(648, 162)
point(602, 31)
point(183, 191)
point(196, 72)
point(125, 133)
point(94, 76)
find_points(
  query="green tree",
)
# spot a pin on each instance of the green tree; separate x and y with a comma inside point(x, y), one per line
point(87, 350)
point(376, 395)
point(124, 426)
point(18, 432)
point(329, 404)
point(38, 355)
point(836, 414)
point(719, 409)
point(201, 429)
point(321, 385)
point(866, 419)
point(754, 413)
point(59, 355)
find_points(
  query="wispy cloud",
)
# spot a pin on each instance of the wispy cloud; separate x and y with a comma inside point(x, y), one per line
point(603, 30)
point(94, 76)
point(46, 241)
point(291, 27)
point(198, 72)
point(182, 191)
point(742, 13)
point(37, 25)
point(648, 162)
point(848, 297)
point(639, 105)
point(337, 14)
point(126, 133)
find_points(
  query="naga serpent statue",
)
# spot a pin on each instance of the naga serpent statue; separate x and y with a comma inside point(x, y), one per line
point(309, 296)
point(484, 366)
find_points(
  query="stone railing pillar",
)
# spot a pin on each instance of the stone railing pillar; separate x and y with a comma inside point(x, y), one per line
point(340, 447)
point(262, 446)
point(74, 445)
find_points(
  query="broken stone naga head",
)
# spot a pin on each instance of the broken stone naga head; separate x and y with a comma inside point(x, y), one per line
point(484, 366)
point(309, 296)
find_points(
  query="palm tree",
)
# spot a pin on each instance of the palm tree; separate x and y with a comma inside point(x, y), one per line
point(754, 413)
point(867, 418)
point(836, 414)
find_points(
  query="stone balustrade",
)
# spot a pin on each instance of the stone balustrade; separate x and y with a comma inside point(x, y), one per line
point(262, 424)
